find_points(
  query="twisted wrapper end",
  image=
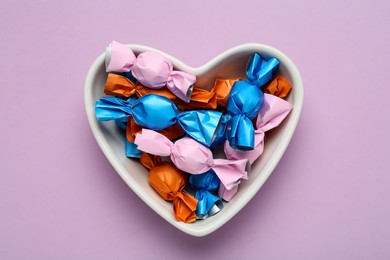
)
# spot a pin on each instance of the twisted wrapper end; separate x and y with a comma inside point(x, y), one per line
point(260, 71)
point(119, 58)
point(279, 87)
point(227, 194)
point(152, 142)
point(181, 84)
point(202, 125)
point(184, 207)
point(117, 85)
point(208, 203)
point(240, 133)
point(230, 172)
point(114, 108)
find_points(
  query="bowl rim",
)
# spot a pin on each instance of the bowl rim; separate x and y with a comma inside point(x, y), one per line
point(254, 187)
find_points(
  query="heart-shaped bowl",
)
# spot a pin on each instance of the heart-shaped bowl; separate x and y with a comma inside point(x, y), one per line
point(229, 64)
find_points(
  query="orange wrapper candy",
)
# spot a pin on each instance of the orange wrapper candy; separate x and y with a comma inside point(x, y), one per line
point(279, 87)
point(117, 85)
point(217, 96)
point(169, 182)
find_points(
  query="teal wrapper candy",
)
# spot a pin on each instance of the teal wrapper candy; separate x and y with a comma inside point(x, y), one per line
point(157, 113)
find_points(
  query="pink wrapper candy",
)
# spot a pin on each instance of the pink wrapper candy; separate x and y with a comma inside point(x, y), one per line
point(271, 114)
point(190, 156)
point(151, 69)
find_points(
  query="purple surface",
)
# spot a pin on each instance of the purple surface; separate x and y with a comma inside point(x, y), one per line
point(327, 199)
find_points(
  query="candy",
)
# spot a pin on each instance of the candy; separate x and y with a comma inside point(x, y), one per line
point(208, 204)
point(157, 113)
point(244, 104)
point(117, 85)
point(271, 114)
point(245, 100)
point(169, 183)
point(121, 86)
point(149, 95)
point(192, 157)
point(151, 69)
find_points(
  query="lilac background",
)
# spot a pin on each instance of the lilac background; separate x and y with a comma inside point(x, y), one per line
point(327, 199)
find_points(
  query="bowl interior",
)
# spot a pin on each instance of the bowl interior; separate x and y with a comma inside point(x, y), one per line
point(229, 64)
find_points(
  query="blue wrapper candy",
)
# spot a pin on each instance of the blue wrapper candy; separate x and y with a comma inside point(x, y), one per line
point(157, 113)
point(243, 105)
point(208, 203)
point(245, 100)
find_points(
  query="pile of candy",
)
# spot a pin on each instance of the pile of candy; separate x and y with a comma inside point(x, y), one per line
point(173, 127)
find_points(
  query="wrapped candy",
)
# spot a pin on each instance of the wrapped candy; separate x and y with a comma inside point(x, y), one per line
point(169, 183)
point(192, 157)
point(271, 114)
point(151, 69)
point(217, 96)
point(157, 113)
point(117, 85)
point(249, 113)
point(279, 87)
point(245, 100)
point(208, 203)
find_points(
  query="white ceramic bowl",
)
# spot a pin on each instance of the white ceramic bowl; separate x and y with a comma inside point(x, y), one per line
point(231, 63)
